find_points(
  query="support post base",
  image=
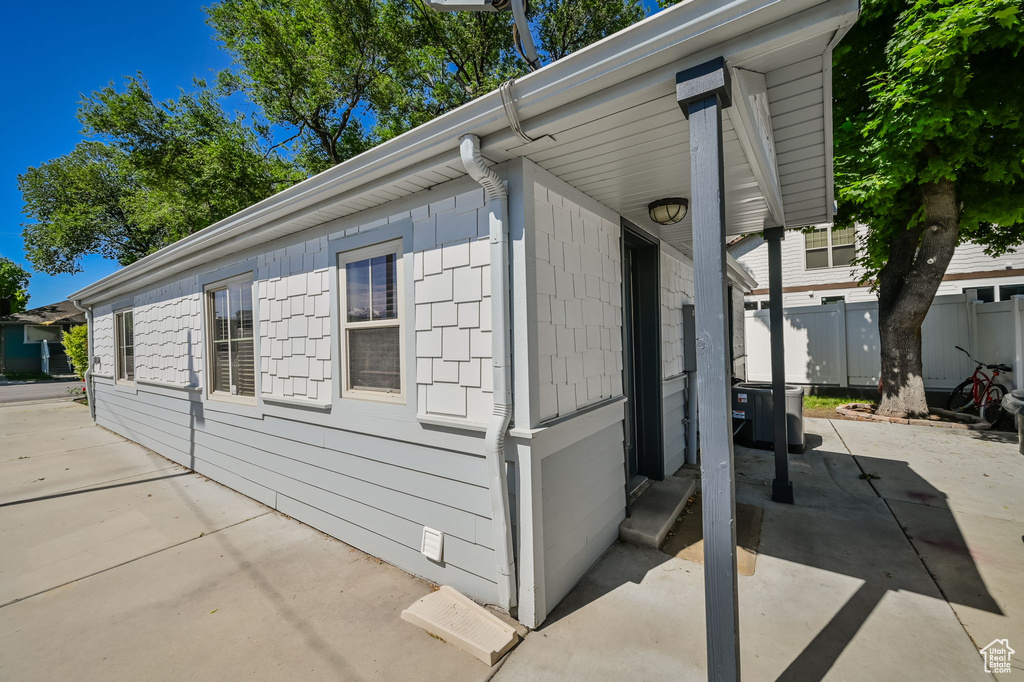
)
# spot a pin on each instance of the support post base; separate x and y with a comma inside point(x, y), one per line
point(782, 491)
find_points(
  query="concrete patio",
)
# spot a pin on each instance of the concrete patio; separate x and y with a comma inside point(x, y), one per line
point(851, 583)
point(118, 563)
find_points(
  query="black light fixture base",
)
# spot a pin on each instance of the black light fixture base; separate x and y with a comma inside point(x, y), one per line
point(782, 491)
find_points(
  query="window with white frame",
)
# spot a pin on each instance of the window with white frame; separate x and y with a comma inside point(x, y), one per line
point(39, 333)
point(371, 323)
point(124, 343)
point(826, 247)
point(232, 349)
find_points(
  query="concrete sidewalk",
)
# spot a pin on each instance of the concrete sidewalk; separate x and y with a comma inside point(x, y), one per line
point(119, 564)
point(841, 591)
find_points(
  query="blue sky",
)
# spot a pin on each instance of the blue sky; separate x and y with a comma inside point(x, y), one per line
point(54, 52)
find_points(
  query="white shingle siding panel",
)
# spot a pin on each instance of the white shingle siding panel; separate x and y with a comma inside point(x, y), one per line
point(293, 305)
point(451, 295)
point(103, 339)
point(168, 333)
point(676, 291)
point(579, 305)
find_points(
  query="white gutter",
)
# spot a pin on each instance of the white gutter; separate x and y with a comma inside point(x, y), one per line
point(501, 354)
point(88, 367)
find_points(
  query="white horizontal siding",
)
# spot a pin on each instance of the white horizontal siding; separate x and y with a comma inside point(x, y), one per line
point(752, 252)
point(584, 502)
point(369, 491)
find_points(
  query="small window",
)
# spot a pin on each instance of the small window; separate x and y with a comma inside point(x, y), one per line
point(829, 247)
point(124, 336)
point(750, 305)
point(765, 305)
point(1008, 291)
point(371, 321)
point(983, 294)
point(232, 357)
point(827, 300)
point(39, 333)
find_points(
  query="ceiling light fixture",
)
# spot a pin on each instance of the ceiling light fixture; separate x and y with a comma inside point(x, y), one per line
point(668, 211)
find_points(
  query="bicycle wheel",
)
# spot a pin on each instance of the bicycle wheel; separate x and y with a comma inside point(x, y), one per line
point(961, 398)
point(992, 411)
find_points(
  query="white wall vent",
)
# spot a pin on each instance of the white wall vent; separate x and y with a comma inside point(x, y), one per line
point(433, 544)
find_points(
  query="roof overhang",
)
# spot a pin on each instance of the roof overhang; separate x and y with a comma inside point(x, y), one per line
point(603, 117)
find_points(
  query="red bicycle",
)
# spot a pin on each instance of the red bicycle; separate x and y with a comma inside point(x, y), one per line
point(980, 391)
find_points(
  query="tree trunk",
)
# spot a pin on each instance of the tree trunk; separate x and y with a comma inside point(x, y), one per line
point(917, 262)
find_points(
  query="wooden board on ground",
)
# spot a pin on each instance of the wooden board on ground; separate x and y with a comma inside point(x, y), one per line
point(686, 539)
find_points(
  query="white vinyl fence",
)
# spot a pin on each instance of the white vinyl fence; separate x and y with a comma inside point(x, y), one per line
point(837, 344)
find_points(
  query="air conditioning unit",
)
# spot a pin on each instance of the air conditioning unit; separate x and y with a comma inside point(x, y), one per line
point(469, 5)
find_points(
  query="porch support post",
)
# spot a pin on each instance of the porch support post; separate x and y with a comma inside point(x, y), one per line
point(782, 487)
point(702, 92)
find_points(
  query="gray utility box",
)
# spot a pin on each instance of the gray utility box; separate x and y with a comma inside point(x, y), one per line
point(753, 421)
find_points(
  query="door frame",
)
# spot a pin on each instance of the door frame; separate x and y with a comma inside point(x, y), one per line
point(646, 358)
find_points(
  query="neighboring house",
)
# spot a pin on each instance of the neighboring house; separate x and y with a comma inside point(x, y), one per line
point(349, 350)
point(21, 337)
point(816, 269)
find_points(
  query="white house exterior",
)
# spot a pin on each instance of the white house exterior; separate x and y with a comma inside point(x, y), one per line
point(336, 352)
point(814, 274)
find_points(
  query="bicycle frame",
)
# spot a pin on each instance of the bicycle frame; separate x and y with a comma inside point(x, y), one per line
point(981, 383)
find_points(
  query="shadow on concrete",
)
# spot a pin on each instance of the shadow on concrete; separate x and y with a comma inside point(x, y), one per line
point(92, 490)
point(835, 531)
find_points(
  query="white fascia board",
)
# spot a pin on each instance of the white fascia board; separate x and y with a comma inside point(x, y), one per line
point(830, 174)
point(739, 274)
point(703, 25)
point(752, 122)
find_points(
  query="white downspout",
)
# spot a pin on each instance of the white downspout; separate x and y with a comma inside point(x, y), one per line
point(88, 368)
point(501, 353)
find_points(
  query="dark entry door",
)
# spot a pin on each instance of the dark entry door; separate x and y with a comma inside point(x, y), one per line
point(641, 358)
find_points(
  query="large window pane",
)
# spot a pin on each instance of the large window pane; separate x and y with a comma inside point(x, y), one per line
point(233, 361)
point(816, 239)
point(842, 255)
point(220, 315)
point(357, 290)
point(374, 359)
point(817, 259)
point(37, 334)
point(124, 338)
point(222, 367)
point(843, 236)
point(1008, 291)
point(382, 272)
point(243, 368)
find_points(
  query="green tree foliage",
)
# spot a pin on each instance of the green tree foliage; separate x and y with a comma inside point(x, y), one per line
point(151, 173)
point(928, 140)
point(13, 285)
point(565, 26)
point(315, 66)
point(450, 58)
point(76, 345)
point(330, 78)
point(343, 75)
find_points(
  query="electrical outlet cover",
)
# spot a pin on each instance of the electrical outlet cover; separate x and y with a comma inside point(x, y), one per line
point(433, 544)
